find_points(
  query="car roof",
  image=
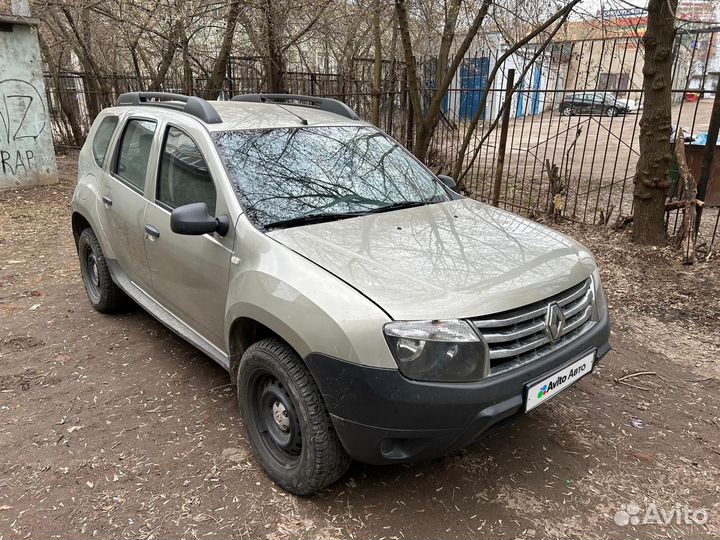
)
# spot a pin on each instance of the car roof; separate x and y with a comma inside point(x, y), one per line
point(240, 115)
point(248, 115)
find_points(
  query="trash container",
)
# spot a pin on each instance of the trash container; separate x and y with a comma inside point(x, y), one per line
point(694, 154)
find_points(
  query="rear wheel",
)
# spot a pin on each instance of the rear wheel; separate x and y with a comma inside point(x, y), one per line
point(104, 295)
point(566, 110)
point(286, 420)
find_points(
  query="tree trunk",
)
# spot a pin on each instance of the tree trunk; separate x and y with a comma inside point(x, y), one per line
point(136, 66)
point(158, 80)
point(413, 88)
point(426, 121)
point(92, 75)
point(187, 67)
point(560, 17)
point(377, 74)
point(68, 103)
point(275, 61)
point(452, 11)
point(652, 177)
point(217, 75)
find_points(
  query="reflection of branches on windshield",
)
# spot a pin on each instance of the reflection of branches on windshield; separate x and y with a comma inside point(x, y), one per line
point(288, 172)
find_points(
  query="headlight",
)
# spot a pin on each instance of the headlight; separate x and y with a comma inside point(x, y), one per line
point(449, 351)
point(599, 296)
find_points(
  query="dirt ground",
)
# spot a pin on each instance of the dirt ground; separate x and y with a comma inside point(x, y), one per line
point(116, 428)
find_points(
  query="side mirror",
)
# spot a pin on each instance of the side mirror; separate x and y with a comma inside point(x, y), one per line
point(195, 219)
point(449, 182)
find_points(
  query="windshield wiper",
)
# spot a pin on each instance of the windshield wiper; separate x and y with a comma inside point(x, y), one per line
point(398, 206)
point(334, 216)
point(310, 218)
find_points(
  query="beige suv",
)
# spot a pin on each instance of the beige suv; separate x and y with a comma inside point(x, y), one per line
point(361, 306)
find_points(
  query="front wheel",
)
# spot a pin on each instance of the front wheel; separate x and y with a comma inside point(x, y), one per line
point(611, 111)
point(566, 111)
point(286, 420)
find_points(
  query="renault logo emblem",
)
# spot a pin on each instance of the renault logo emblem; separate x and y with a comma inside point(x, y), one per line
point(554, 322)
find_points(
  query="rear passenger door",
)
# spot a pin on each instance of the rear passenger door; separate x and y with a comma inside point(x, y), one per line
point(585, 103)
point(598, 104)
point(189, 273)
point(123, 198)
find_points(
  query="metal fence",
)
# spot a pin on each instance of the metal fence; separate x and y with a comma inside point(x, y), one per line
point(580, 165)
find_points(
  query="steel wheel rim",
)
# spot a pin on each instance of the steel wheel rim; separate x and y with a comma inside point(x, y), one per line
point(92, 274)
point(275, 418)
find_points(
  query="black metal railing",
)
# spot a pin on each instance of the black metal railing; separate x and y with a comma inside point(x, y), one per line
point(593, 153)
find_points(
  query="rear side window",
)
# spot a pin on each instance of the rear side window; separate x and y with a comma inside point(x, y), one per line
point(102, 137)
point(184, 177)
point(134, 152)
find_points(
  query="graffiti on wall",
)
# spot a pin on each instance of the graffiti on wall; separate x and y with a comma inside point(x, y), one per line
point(22, 120)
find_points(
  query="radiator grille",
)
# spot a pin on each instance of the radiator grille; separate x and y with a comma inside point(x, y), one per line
point(520, 336)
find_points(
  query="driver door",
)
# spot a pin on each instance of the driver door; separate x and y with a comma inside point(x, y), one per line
point(189, 273)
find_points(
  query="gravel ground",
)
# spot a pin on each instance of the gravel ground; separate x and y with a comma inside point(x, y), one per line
point(115, 427)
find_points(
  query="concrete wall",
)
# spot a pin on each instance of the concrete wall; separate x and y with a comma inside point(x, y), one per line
point(27, 156)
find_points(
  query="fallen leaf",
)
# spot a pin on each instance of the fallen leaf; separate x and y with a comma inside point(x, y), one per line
point(642, 456)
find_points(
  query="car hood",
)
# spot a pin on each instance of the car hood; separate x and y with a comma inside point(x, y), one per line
point(448, 260)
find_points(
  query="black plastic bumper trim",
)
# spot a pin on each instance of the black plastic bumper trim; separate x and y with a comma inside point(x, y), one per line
point(383, 417)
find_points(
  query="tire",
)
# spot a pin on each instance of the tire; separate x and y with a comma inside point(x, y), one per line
point(566, 111)
point(104, 295)
point(611, 111)
point(286, 420)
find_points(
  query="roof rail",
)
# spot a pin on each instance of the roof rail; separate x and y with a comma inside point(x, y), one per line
point(322, 104)
point(192, 105)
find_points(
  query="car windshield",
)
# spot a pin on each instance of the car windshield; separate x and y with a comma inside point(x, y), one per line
point(290, 174)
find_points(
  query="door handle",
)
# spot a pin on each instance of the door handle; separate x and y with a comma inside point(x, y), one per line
point(107, 201)
point(151, 232)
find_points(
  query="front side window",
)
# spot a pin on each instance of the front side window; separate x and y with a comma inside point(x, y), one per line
point(102, 137)
point(184, 177)
point(134, 153)
point(287, 174)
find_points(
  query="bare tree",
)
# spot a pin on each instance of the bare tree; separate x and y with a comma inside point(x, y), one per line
point(426, 123)
point(217, 75)
point(557, 19)
point(377, 68)
point(652, 174)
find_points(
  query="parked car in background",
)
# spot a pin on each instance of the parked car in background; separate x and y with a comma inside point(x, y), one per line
point(631, 105)
point(363, 308)
point(595, 103)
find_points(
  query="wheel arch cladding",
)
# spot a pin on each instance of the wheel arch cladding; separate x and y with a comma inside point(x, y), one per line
point(244, 332)
point(79, 224)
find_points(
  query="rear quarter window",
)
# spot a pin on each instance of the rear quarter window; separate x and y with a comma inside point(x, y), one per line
point(133, 155)
point(101, 140)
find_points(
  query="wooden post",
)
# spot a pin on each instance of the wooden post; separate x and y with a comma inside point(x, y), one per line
point(503, 137)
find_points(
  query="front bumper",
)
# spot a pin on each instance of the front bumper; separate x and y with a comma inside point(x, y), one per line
point(382, 417)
